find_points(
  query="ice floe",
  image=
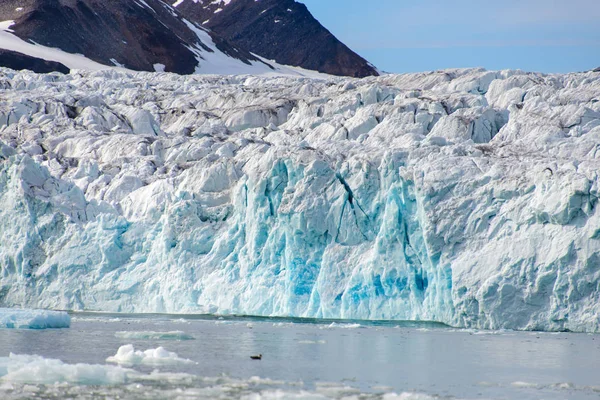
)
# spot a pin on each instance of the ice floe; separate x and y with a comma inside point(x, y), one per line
point(33, 319)
point(129, 356)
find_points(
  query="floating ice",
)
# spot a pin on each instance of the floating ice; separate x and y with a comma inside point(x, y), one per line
point(33, 319)
point(127, 355)
point(342, 326)
point(149, 335)
point(169, 385)
point(36, 369)
point(407, 396)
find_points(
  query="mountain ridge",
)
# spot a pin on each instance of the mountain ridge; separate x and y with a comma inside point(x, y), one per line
point(281, 30)
point(152, 35)
point(141, 36)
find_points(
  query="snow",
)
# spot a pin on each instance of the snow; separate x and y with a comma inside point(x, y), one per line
point(13, 318)
point(127, 355)
point(216, 62)
point(209, 62)
point(8, 41)
point(467, 197)
point(116, 63)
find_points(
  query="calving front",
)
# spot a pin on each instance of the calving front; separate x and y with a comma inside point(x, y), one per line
point(466, 197)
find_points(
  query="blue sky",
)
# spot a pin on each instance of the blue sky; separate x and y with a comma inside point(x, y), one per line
point(409, 36)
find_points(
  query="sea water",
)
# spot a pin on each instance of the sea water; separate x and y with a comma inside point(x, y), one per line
point(312, 359)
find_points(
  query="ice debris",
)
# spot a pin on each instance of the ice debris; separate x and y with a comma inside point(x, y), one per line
point(36, 369)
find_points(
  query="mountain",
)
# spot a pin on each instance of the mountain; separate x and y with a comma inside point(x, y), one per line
point(151, 35)
point(144, 35)
point(280, 30)
point(597, 69)
point(468, 197)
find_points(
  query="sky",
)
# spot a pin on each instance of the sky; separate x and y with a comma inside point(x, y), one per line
point(410, 36)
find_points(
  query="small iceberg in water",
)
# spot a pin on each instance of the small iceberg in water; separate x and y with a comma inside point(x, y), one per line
point(14, 318)
point(129, 356)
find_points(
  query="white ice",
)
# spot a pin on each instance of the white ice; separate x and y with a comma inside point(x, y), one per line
point(129, 356)
point(35, 369)
point(33, 319)
point(31, 376)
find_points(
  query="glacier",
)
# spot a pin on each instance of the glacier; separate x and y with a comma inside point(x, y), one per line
point(467, 197)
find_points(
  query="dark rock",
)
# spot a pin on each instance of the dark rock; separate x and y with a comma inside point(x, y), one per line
point(280, 30)
point(18, 61)
point(135, 34)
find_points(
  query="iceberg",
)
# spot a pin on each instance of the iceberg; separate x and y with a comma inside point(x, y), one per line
point(129, 356)
point(467, 197)
point(13, 318)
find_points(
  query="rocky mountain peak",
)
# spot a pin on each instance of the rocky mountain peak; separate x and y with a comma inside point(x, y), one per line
point(280, 30)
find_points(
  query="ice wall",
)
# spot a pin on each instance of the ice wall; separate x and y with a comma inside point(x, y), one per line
point(465, 196)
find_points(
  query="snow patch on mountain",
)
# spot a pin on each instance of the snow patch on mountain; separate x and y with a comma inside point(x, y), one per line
point(9, 41)
point(467, 197)
point(210, 59)
point(214, 61)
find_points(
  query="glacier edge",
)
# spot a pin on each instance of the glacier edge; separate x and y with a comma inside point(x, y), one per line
point(466, 197)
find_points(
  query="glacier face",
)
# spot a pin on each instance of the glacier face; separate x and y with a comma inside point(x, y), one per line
point(467, 197)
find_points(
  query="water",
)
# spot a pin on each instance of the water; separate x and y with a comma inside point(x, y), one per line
point(312, 359)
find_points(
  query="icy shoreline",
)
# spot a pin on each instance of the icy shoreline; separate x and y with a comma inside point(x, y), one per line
point(467, 197)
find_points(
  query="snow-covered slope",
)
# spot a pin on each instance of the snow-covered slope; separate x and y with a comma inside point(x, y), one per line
point(27, 55)
point(280, 30)
point(9, 41)
point(141, 35)
point(467, 197)
point(145, 35)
